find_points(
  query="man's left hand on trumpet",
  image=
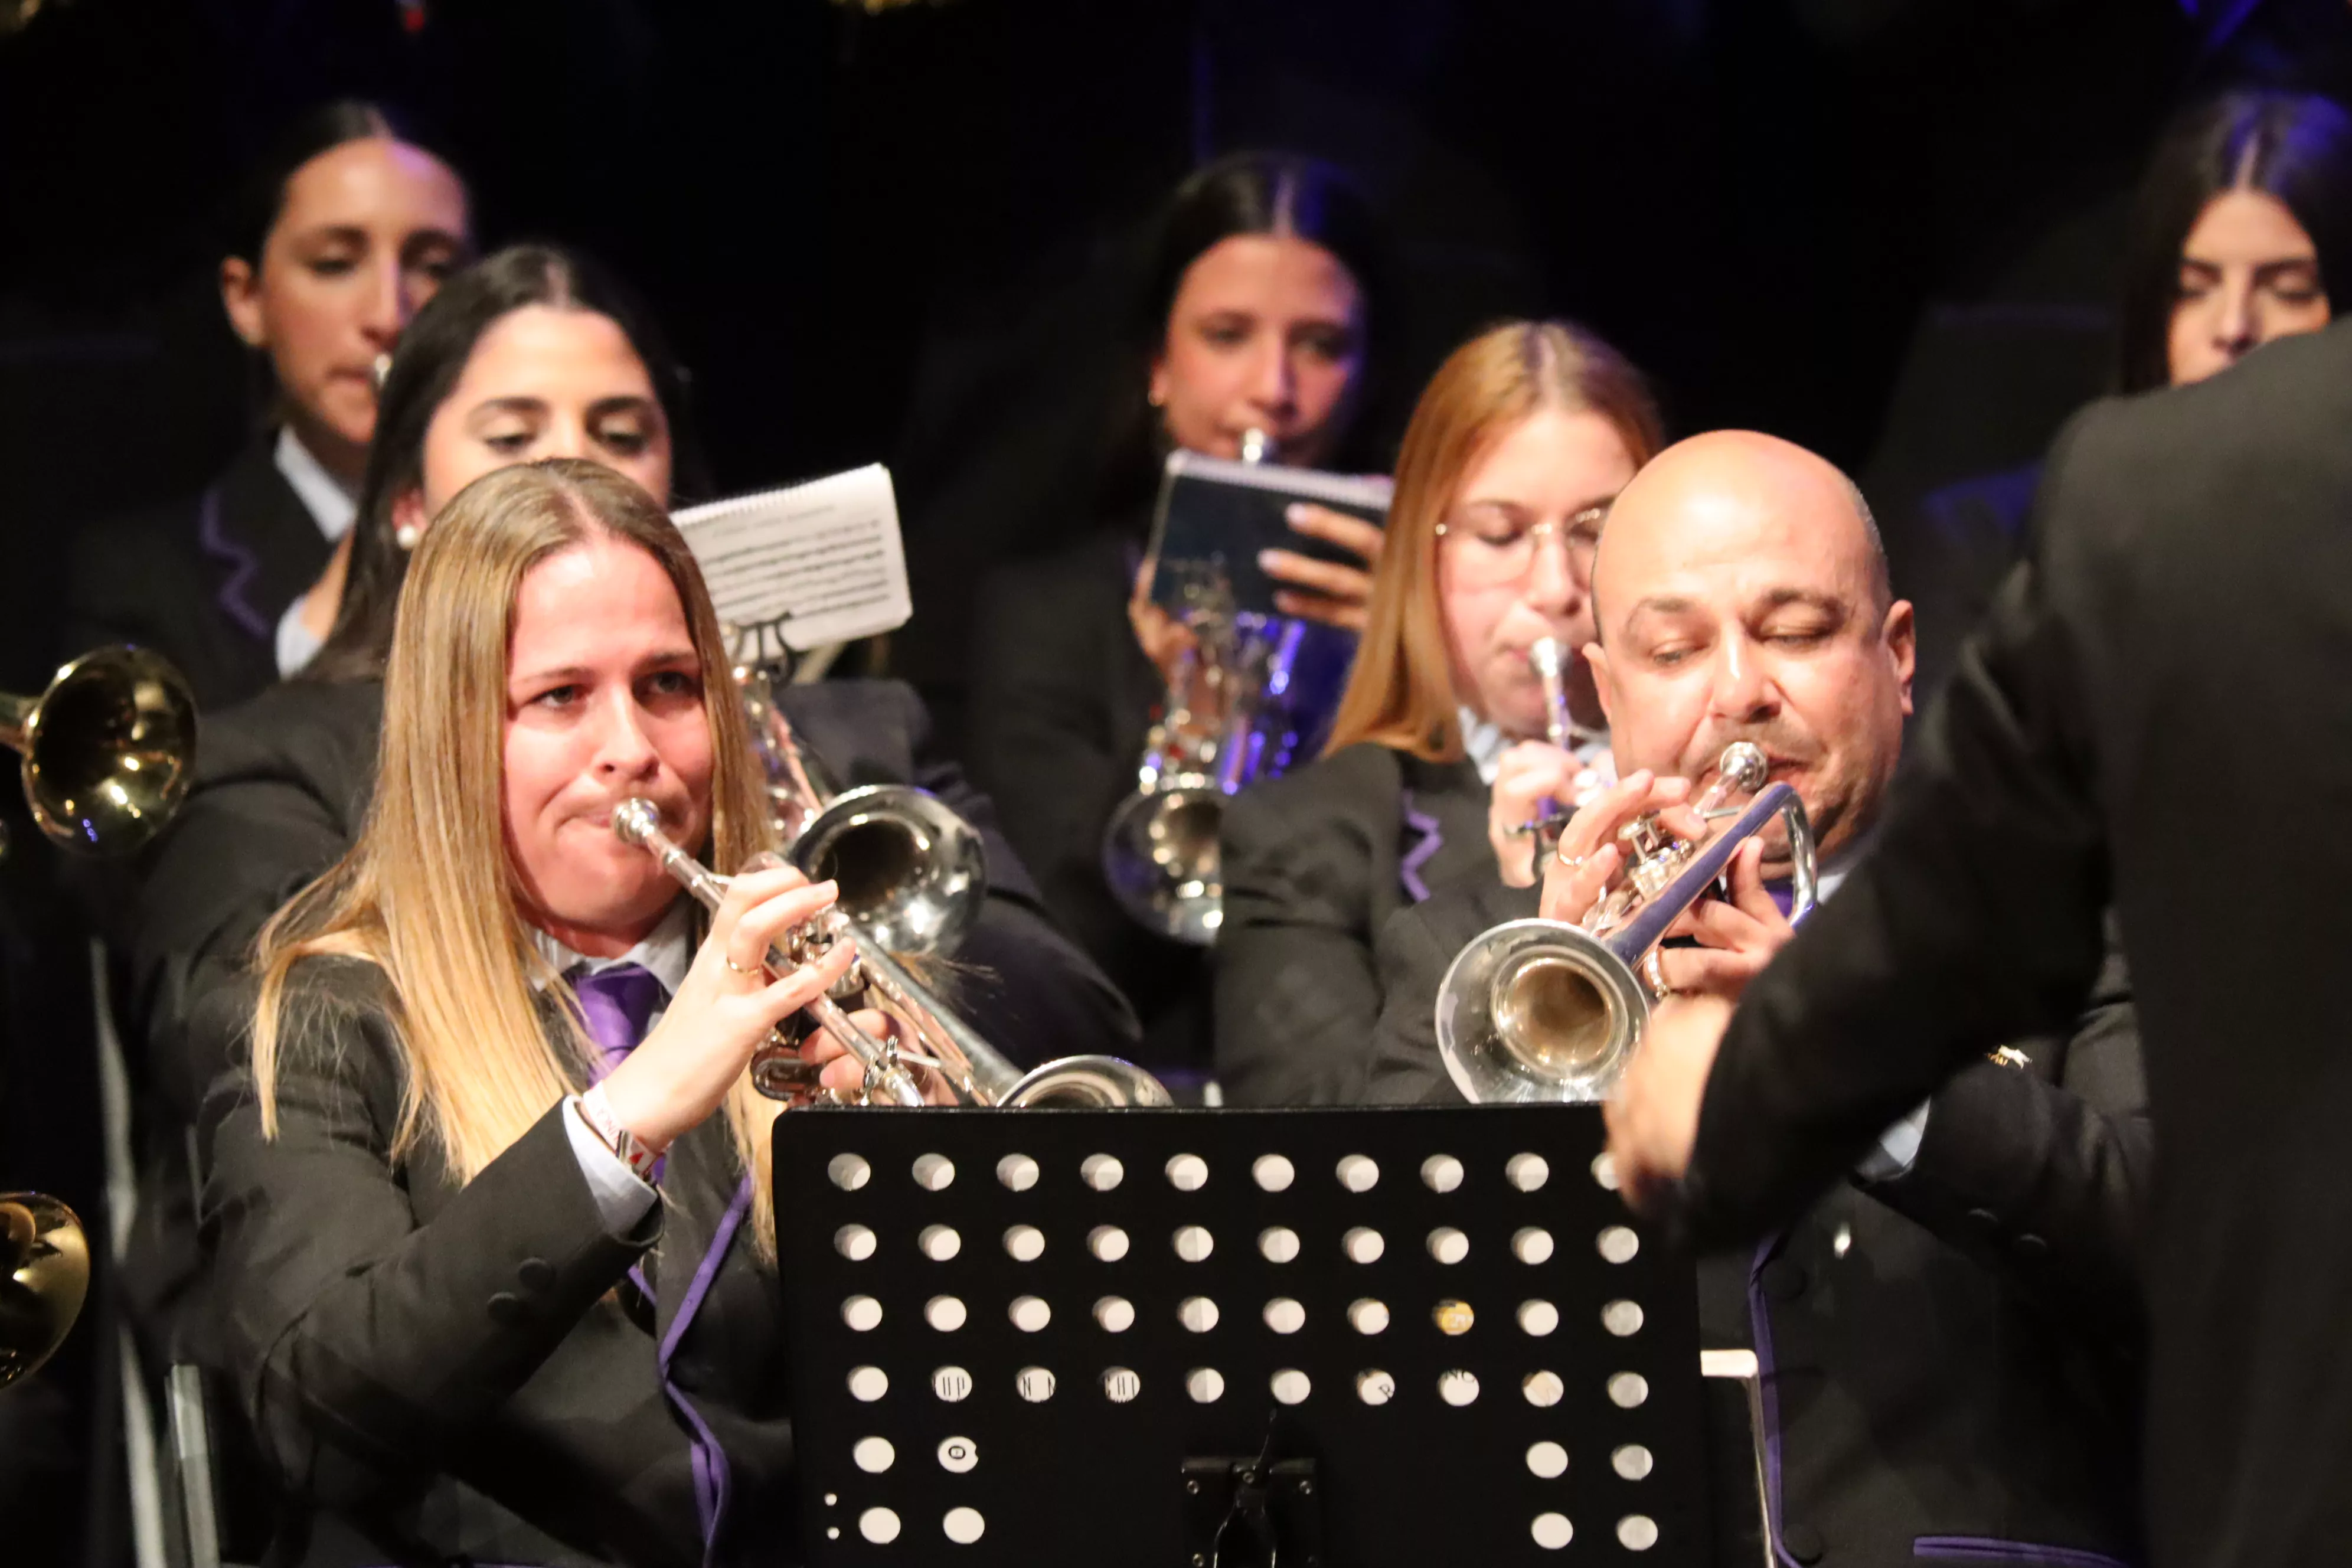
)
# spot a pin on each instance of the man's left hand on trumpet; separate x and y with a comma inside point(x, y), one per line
point(1734, 937)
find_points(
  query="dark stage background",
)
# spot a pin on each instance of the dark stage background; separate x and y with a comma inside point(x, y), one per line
point(1884, 229)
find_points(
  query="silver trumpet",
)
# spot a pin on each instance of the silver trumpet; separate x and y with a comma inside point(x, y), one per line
point(1224, 722)
point(1549, 658)
point(912, 873)
point(1542, 1010)
point(974, 1070)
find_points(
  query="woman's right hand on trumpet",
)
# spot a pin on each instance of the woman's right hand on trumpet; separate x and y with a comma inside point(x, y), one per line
point(722, 1012)
point(1529, 775)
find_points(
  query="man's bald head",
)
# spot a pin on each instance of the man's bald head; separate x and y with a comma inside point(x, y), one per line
point(1740, 594)
point(1747, 468)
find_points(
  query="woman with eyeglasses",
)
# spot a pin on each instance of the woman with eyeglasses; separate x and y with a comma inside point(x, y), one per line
point(1439, 755)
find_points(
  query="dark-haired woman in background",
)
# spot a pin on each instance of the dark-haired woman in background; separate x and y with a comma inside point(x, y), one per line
point(2243, 220)
point(338, 237)
point(530, 353)
point(1263, 309)
point(1439, 752)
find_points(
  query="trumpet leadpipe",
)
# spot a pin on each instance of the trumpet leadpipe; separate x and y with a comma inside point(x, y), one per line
point(637, 822)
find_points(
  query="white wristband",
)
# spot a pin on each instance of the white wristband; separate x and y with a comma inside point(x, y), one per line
point(639, 1156)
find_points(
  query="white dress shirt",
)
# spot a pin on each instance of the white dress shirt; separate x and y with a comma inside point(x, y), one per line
point(333, 508)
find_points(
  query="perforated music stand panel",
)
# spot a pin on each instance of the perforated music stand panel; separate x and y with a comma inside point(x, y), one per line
point(1009, 1330)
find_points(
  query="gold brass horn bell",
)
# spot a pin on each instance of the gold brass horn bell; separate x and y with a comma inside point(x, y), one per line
point(44, 1275)
point(108, 748)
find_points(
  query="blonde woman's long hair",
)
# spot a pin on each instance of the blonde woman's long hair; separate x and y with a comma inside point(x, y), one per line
point(428, 894)
point(1400, 691)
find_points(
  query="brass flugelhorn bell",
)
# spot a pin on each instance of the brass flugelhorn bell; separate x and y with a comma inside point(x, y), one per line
point(109, 748)
point(1539, 1010)
point(44, 1275)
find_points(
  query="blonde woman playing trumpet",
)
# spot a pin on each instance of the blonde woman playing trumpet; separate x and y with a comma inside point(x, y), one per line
point(490, 1205)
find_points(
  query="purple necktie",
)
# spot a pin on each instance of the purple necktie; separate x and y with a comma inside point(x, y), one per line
point(617, 1003)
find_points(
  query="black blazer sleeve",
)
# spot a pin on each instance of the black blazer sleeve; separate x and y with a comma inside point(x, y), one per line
point(281, 785)
point(1413, 954)
point(1297, 987)
point(1977, 918)
point(1061, 704)
point(2044, 1174)
point(366, 1344)
point(1028, 989)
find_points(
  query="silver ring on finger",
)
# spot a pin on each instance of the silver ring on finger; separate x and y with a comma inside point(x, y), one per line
point(1654, 974)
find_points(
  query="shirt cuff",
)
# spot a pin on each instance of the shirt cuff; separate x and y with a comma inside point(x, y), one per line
point(1897, 1149)
point(621, 1199)
point(296, 646)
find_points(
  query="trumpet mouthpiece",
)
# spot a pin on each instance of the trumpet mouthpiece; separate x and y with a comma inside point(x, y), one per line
point(1742, 767)
point(636, 821)
point(1547, 658)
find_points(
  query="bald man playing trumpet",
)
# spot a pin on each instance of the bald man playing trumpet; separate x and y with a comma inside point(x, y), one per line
point(1946, 1338)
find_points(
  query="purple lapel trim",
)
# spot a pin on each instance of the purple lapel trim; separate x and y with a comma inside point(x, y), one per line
point(711, 1476)
point(1432, 837)
point(1982, 1549)
point(241, 563)
point(1760, 1328)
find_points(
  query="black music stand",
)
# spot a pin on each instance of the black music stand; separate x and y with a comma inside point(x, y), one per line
point(1000, 1353)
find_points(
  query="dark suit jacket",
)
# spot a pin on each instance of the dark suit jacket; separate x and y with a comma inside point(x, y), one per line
point(282, 785)
point(203, 583)
point(2155, 714)
point(1062, 700)
point(1950, 1355)
point(1314, 863)
point(437, 1372)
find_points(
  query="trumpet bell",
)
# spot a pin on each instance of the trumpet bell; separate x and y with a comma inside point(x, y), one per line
point(1538, 1011)
point(1086, 1083)
point(1161, 858)
point(44, 1275)
point(108, 748)
point(912, 873)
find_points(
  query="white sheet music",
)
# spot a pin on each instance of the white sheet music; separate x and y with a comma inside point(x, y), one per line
point(808, 565)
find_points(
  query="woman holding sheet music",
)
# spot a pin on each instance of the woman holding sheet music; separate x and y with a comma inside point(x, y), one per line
point(533, 352)
point(1262, 314)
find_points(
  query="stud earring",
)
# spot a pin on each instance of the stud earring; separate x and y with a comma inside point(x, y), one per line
point(406, 536)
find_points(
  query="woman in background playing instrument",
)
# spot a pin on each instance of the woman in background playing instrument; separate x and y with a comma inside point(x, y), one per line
point(1264, 311)
point(1442, 747)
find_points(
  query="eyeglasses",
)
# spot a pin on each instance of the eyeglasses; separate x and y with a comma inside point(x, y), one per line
point(1493, 547)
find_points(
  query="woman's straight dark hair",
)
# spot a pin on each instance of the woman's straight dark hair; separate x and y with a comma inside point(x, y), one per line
point(2294, 147)
point(433, 355)
point(1244, 194)
point(259, 198)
